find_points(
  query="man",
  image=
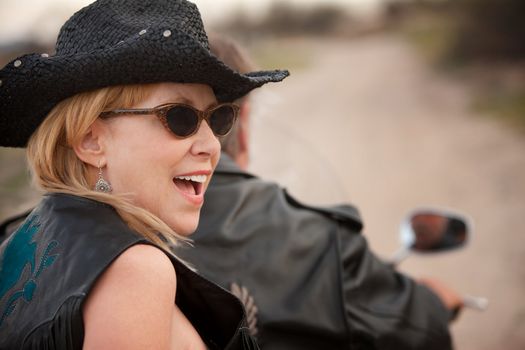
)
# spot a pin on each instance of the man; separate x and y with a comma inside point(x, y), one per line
point(305, 274)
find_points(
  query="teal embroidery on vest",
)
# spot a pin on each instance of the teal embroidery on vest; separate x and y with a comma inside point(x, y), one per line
point(20, 252)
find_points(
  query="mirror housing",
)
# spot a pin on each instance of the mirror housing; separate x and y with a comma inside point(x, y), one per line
point(434, 230)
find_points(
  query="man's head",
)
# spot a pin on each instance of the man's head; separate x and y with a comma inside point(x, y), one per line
point(235, 144)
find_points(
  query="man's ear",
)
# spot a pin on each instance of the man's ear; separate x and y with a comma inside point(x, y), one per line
point(243, 136)
point(90, 148)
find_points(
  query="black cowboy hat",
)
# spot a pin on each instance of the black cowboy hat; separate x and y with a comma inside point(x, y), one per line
point(116, 42)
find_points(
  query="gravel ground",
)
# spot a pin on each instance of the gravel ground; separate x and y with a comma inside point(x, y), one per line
point(368, 122)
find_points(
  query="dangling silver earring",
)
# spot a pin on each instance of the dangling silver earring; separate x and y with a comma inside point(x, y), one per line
point(102, 185)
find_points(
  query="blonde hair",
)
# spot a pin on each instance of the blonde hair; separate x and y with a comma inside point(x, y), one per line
point(56, 168)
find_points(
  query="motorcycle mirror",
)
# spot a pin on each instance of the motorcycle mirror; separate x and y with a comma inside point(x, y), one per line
point(434, 230)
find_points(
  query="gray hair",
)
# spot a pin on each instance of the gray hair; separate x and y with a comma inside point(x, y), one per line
point(231, 53)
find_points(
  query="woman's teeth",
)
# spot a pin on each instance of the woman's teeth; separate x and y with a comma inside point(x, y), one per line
point(194, 178)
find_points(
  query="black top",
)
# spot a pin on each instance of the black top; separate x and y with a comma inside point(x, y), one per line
point(306, 274)
point(50, 264)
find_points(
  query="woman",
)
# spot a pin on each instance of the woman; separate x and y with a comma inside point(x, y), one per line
point(113, 124)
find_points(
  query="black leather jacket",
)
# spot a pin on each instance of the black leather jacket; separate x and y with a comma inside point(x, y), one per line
point(305, 274)
point(49, 265)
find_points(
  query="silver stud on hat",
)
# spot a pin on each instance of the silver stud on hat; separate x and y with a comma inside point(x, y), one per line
point(142, 32)
point(17, 63)
point(45, 55)
point(167, 33)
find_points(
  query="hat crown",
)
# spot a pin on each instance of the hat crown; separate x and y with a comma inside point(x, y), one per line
point(106, 23)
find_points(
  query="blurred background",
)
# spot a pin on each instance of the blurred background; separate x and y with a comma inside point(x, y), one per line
point(391, 105)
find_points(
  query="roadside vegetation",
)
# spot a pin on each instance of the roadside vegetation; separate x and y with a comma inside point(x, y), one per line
point(482, 41)
point(479, 41)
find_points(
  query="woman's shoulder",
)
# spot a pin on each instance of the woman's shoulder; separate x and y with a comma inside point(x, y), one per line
point(142, 263)
point(133, 298)
point(140, 270)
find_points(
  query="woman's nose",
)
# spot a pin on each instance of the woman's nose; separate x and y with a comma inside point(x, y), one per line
point(205, 142)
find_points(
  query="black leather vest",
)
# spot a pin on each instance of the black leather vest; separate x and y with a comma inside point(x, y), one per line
point(49, 265)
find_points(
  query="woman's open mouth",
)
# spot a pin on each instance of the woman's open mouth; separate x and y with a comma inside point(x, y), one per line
point(191, 185)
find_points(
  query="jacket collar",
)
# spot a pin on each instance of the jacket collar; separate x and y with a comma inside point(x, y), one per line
point(346, 213)
point(227, 166)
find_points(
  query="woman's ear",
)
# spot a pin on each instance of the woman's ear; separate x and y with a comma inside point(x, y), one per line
point(91, 147)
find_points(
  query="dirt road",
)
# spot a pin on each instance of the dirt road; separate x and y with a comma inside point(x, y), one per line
point(368, 122)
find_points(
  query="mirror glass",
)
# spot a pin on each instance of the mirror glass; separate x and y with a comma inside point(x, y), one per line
point(435, 230)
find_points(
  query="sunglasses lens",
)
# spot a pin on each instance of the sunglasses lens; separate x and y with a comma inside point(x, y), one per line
point(182, 120)
point(222, 120)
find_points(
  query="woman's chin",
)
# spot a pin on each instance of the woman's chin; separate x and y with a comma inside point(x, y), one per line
point(186, 228)
point(186, 233)
point(182, 219)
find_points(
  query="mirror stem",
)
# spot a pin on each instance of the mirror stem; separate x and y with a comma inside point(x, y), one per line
point(399, 256)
